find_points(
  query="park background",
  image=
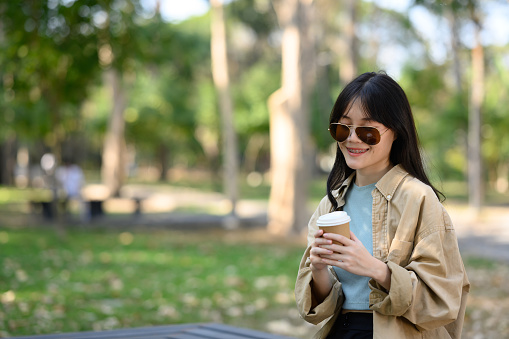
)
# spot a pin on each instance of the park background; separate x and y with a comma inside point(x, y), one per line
point(212, 123)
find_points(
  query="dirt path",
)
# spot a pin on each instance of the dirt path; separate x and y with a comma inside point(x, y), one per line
point(486, 235)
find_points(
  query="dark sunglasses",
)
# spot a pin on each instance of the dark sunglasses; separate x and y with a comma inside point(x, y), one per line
point(367, 134)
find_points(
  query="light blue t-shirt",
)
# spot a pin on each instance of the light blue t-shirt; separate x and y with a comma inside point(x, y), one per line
point(358, 205)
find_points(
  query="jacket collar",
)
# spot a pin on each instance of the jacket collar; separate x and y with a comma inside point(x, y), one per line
point(387, 185)
point(340, 193)
point(390, 181)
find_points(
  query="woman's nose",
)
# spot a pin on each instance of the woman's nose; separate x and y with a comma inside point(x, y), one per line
point(353, 135)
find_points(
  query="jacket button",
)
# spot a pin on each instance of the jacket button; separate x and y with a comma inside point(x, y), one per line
point(389, 197)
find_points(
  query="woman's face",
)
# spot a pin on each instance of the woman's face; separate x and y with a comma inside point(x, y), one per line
point(367, 160)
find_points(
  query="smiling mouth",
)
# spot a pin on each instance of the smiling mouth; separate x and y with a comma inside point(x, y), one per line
point(356, 150)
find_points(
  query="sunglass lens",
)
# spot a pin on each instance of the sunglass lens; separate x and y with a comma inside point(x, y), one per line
point(369, 135)
point(339, 132)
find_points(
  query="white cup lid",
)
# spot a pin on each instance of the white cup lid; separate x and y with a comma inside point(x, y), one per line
point(333, 218)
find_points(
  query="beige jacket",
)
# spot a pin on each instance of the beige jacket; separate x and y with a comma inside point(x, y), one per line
point(414, 235)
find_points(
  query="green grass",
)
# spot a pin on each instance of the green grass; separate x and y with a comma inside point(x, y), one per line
point(103, 279)
point(12, 195)
point(99, 280)
point(96, 280)
point(478, 263)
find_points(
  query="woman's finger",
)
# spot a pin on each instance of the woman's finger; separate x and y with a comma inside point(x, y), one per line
point(338, 237)
point(318, 233)
point(319, 251)
point(352, 236)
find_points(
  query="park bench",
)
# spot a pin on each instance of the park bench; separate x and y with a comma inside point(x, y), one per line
point(41, 203)
point(185, 331)
point(99, 199)
point(96, 198)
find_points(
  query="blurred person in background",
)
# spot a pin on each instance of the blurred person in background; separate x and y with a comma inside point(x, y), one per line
point(71, 180)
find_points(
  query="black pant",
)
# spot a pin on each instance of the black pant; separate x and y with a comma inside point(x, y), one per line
point(352, 325)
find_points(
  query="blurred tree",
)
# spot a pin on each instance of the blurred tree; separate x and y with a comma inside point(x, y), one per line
point(119, 41)
point(168, 101)
point(471, 9)
point(221, 78)
point(496, 124)
point(113, 170)
point(49, 59)
point(349, 62)
point(440, 118)
point(53, 52)
point(255, 67)
point(452, 11)
point(289, 123)
point(475, 168)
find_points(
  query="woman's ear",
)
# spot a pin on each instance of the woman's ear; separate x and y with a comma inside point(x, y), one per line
point(395, 134)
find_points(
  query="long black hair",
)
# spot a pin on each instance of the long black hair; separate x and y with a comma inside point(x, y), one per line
point(383, 101)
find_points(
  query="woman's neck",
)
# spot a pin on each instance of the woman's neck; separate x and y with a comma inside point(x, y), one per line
point(364, 177)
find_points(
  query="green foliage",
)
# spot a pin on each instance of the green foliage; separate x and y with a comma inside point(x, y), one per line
point(164, 105)
point(259, 15)
point(54, 55)
point(49, 62)
point(441, 117)
point(255, 85)
point(496, 123)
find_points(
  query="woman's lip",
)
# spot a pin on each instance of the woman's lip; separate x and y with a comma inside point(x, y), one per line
point(356, 151)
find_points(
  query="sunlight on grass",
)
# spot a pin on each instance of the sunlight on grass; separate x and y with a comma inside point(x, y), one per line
point(103, 280)
point(12, 195)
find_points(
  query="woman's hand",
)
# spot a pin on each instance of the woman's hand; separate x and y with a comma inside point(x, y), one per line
point(355, 258)
point(321, 284)
point(318, 251)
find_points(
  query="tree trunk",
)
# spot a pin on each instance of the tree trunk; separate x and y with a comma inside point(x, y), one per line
point(8, 160)
point(163, 160)
point(475, 181)
point(349, 57)
point(501, 182)
point(252, 152)
point(289, 121)
point(113, 159)
point(222, 84)
point(455, 45)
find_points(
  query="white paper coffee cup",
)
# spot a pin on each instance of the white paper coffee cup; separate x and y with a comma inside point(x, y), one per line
point(337, 222)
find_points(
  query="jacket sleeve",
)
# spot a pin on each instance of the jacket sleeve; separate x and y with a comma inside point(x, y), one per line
point(306, 302)
point(427, 287)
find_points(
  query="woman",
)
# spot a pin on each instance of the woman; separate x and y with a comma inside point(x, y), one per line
point(400, 275)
